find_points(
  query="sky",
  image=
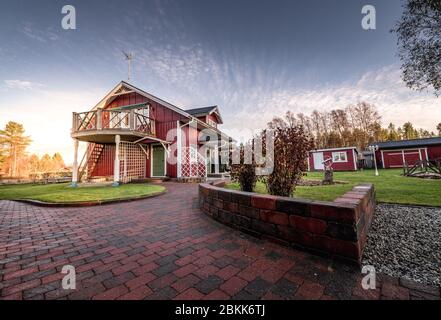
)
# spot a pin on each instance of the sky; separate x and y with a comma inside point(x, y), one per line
point(253, 58)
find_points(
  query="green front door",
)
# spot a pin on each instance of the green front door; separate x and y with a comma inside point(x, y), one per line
point(158, 161)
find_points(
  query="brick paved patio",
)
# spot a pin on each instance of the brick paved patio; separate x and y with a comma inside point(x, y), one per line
point(165, 248)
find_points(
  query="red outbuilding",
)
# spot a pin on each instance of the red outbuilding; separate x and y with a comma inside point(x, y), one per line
point(343, 159)
point(394, 154)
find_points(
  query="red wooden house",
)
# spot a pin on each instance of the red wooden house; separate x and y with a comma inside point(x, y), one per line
point(132, 134)
point(343, 159)
point(393, 154)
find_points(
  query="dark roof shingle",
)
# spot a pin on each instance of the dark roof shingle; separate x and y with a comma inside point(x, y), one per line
point(200, 111)
point(408, 143)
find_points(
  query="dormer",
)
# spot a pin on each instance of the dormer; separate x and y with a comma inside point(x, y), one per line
point(209, 115)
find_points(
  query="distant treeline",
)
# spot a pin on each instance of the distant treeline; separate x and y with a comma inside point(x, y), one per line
point(356, 125)
point(16, 162)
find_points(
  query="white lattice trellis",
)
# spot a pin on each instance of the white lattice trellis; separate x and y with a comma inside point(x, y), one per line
point(132, 162)
point(191, 168)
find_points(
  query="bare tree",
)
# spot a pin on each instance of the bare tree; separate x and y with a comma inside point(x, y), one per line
point(419, 44)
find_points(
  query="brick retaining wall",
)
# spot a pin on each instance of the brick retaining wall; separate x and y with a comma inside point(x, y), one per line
point(337, 229)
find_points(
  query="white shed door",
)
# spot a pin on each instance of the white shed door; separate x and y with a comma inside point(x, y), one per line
point(318, 161)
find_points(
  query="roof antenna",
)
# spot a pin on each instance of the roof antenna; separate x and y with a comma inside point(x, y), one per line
point(129, 58)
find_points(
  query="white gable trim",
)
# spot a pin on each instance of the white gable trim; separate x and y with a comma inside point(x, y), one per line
point(131, 88)
point(113, 93)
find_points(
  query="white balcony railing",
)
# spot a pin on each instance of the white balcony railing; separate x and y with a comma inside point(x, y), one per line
point(100, 119)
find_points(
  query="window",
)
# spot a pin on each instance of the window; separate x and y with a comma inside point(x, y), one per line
point(339, 157)
point(212, 123)
point(144, 111)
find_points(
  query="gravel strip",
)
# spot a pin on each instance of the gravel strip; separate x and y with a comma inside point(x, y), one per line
point(405, 241)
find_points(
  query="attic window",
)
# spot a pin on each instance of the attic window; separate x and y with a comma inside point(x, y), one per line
point(211, 123)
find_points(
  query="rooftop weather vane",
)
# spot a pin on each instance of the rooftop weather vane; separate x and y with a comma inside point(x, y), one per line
point(129, 58)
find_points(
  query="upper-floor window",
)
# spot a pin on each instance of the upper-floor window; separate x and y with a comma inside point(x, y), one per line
point(144, 111)
point(212, 123)
point(339, 157)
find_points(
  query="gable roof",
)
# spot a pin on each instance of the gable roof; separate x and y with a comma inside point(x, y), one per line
point(200, 112)
point(125, 87)
point(408, 143)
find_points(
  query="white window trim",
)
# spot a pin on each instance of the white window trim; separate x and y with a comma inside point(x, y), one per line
point(339, 158)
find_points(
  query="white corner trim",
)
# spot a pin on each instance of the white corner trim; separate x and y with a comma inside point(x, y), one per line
point(355, 160)
point(179, 149)
point(382, 159)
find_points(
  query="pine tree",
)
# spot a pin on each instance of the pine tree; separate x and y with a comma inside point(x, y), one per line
point(15, 144)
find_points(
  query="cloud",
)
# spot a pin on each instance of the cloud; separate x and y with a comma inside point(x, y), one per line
point(383, 88)
point(251, 94)
point(21, 84)
point(39, 35)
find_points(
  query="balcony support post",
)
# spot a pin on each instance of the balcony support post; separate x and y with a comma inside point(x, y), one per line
point(179, 148)
point(132, 119)
point(74, 183)
point(116, 164)
point(216, 157)
point(74, 122)
point(99, 119)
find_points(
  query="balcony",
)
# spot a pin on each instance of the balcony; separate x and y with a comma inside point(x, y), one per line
point(101, 125)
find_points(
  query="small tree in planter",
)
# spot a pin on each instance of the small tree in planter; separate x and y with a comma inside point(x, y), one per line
point(291, 146)
point(243, 173)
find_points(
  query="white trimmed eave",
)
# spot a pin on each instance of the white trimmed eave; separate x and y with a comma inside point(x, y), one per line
point(113, 94)
point(335, 149)
point(206, 125)
point(153, 139)
point(216, 110)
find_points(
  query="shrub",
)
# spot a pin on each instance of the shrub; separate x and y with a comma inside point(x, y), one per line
point(291, 146)
point(244, 174)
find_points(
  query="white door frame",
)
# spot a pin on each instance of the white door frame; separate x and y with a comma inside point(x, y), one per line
point(322, 166)
point(152, 159)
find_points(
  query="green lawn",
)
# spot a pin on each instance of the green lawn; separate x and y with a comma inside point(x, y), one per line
point(390, 186)
point(59, 193)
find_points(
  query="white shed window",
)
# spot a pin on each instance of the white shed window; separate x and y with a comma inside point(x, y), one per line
point(339, 156)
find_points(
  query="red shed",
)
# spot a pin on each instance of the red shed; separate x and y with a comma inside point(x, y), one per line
point(393, 154)
point(343, 159)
